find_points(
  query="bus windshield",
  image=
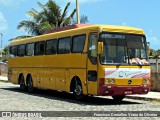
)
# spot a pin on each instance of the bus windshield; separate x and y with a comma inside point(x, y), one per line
point(124, 49)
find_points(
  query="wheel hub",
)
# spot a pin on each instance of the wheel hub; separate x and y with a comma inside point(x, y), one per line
point(78, 90)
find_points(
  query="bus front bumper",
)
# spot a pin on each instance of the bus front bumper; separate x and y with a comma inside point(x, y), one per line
point(113, 90)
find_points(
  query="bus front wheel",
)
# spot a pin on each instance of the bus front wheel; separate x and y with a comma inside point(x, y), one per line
point(78, 93)
point(118, 98)
point(30, 84)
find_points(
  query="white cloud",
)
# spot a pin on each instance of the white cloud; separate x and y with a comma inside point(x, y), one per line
point(10, 3)
point(3, 23)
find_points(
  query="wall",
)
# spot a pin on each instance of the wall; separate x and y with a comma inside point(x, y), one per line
point(155, 77)
point(3, 69)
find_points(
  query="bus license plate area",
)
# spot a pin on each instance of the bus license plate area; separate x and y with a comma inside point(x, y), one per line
point(128, 92)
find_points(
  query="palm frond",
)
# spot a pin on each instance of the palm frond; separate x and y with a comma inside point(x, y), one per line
point(48, 18)
point(72, 14)
point(65, 11)
point(53, 7)
point(19, 37)
point(46, 26)
point(34, 14)
point(42, 6)
point(67, 21)
point(29, 27)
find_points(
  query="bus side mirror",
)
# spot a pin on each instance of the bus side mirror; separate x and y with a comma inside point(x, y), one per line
point(100, 48)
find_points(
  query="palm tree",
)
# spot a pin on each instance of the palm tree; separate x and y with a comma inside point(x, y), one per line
point(50, 17)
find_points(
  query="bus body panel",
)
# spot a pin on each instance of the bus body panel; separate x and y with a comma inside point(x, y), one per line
point(81, 74)
point(122, 85)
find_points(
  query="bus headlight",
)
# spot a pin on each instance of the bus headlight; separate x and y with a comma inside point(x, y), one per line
point(109, 81)
point(106, 81)
point(145, 81)
point(112, 81)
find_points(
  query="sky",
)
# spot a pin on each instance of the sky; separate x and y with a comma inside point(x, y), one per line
point(144, 14)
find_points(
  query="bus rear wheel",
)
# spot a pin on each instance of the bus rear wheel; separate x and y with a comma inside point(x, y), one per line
point(30, 85)
point(22, 84)
point(78, 93)
point(118, 98)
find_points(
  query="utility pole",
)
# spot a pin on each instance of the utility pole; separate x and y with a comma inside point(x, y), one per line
point(77, 12)
point(1, 45)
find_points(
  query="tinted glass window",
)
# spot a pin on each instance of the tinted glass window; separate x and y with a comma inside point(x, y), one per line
point(64, 45)
point(51, 47)
point(40, 48)
point(30, 49)
point(92, 53)
point(78, 43)
point(21, 50)
point(126, 49)
point(13, 51)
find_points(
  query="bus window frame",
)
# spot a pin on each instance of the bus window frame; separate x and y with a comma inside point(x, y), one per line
point(88, 47)
point(16, 50)
point(83, 45)
point(26, 51)
point(70, 45)
point(56, 46)
point(120, 33)
point(35, 48)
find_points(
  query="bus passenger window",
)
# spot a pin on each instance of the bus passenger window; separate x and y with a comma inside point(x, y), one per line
point(40, 48)
point(51, 47)
point(78, 43)
point(92, 52)
point(13, 51)
point(21, 50)
point(30, 49)
point(64, 45)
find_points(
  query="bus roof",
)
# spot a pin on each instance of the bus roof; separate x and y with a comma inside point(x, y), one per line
point(107, 28)
point(66, 28)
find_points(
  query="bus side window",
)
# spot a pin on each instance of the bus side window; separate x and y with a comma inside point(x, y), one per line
point(30, 49)
point(51, 47)
point(64, 45)
point(21, 50)
point(40, 48)
point(92, 51)
point(13, 51)
point(78, 43)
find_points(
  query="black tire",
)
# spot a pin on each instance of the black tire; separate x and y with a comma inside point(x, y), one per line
point(118, 98)
point(30, 85)
point(77, 91)
point(22, 84)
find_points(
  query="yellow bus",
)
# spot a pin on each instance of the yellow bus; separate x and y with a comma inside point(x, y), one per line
point(101, 60)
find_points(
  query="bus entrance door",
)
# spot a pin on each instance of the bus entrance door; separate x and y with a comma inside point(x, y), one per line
point(92, 65)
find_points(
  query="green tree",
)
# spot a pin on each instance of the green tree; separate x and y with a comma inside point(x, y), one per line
point(83, 20)
point(4, 53)
point(51, 16)
point(151, 52)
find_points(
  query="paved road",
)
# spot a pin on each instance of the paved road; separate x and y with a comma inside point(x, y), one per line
point(12, 99)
